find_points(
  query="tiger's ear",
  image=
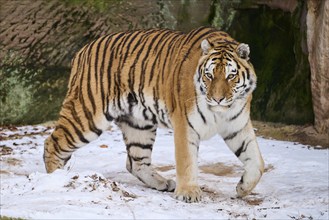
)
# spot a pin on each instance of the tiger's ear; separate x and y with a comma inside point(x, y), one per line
point(205, 46)
point(243, 51)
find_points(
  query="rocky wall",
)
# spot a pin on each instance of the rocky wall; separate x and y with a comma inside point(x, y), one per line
point(39, 38)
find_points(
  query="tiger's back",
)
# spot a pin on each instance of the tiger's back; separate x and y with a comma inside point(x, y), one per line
point(142, 80)
point(118, 73)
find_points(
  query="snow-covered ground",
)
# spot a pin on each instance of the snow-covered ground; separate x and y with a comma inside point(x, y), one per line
point(96, 185)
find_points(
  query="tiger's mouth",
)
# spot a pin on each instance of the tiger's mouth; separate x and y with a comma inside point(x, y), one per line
point(219, 102)
point(220, 105)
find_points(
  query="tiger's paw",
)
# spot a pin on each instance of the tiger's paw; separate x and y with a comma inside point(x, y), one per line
point(168, 186)
point(241, 191)
point(188, 194)
point(246, 185)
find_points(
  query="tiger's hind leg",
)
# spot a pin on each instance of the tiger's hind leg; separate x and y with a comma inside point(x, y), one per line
point(73, 130)
point(139, 142)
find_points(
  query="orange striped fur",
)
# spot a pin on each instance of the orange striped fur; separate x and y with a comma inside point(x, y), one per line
point(199, 84)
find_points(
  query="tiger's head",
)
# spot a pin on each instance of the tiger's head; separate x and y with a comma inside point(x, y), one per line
point(224, 73)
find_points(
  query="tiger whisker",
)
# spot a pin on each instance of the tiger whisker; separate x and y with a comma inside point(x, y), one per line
point(193, 98)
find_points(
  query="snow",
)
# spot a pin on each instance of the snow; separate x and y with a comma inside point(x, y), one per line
point(95, 184)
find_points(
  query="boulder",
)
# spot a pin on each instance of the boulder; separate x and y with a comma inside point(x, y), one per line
point(318, 48)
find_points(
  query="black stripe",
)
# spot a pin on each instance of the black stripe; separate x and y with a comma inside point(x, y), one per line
point(241, 180)
point(144, 63)
point(196, 41)
point(240, 149)
point(81, 70)
point(238, 114)
point(193, 33)
point(172, 46)
point(139, 145)
point(131, 79)
point(244, 77)
point(132, 101)
point(71, 145)
point(55, 144)
point(178, 83)
point(156, 100)
point(231, 136)
point(159, 53)
point(135, 158)
point(162, 118)
point(112, 45)
point(248, 73)
point(230, 42)
point(70, 105)
point(66, 132)
point(105, 104)
point(76, 130)
point(160, 42)
point(88, 114)
point(130, 124)
point(58, 148)
point(172, 40)
point(89, 92)
point(198, 108)
point(96, 62)
point(234, 134)
point(144, 35)
point(80, 58)
point(117, 81)
point(92, 125)
point(127, 48)
point(191, 126)
point(122, 44)
point(109, 79)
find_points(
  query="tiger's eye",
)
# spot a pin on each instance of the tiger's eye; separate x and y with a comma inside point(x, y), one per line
point(230, 76)
point(209, 75)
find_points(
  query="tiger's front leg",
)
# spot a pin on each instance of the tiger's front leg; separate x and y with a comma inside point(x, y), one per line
point(186, 153)
point(244, 145)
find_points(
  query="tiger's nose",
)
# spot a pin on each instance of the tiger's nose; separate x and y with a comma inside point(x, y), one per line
point(218, 100)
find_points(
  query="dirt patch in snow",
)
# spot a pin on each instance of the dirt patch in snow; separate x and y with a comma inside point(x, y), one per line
point(304, 134)
point(165, 168)
point(220, 169)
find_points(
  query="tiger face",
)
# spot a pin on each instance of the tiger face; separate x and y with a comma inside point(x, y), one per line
point(225, 74)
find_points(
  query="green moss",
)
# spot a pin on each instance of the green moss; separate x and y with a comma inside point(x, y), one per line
point(31, 95)
point(222, 13)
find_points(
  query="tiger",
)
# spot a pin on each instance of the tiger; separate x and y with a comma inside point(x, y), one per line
point(198, 84)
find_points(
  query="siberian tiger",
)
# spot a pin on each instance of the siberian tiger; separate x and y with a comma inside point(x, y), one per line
point(199, 84)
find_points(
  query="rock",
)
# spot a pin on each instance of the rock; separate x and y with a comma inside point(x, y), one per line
point(39, 38)
point(318, 47)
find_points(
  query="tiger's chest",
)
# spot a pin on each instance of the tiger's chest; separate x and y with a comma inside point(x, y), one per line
point(208, 123)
